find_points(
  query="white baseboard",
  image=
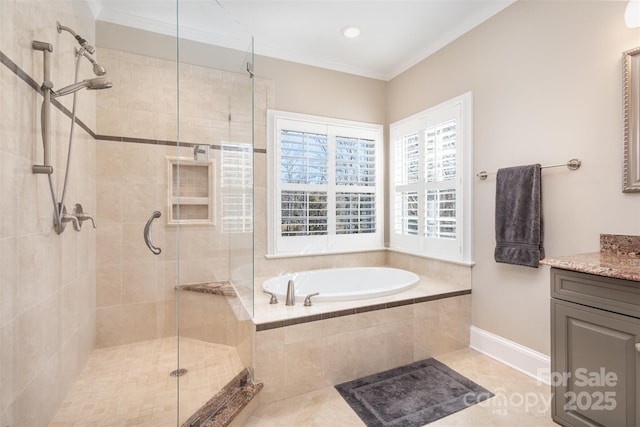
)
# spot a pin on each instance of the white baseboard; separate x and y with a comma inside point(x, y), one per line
point(518, 357)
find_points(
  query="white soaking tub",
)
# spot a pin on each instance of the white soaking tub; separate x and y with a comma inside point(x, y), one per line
point(343, 284)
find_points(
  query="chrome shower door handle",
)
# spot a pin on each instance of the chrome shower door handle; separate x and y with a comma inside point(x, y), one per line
point(147, 233)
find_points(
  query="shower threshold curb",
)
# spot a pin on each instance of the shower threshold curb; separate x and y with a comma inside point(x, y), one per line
point(227, 404)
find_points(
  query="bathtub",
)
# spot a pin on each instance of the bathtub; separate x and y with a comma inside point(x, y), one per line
point(343, 284)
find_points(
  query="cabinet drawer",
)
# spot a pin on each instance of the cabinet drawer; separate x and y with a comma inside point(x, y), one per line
point(619, 296)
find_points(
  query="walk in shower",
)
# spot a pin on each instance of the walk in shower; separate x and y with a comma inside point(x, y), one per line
point(143, 319)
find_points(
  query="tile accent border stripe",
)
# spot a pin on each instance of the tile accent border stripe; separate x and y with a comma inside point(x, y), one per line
point(22, 75)
point(165, 142)
point(358, 310)
point(13, 67)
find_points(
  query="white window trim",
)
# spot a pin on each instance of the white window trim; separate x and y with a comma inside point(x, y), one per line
point(462, 253)
point(331, 243)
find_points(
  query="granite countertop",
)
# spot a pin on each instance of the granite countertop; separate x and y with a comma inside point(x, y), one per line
point(619, 257)
point(224, 288)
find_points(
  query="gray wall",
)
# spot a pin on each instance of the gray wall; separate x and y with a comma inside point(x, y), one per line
point(547, 85)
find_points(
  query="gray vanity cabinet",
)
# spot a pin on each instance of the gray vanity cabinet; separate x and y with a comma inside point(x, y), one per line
point(595, 328)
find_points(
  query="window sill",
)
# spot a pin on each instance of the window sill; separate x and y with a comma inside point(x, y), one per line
point(458, 262)
point(452, 261)
point(358, 251)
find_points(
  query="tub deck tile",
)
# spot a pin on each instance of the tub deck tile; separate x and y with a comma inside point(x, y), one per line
point(352, 311)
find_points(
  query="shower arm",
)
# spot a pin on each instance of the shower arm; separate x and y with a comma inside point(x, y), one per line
point(81, 41)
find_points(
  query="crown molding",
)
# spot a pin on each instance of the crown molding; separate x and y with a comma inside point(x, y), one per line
point(244, 44)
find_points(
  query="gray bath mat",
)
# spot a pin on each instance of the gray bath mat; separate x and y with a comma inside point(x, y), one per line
point(411, 395)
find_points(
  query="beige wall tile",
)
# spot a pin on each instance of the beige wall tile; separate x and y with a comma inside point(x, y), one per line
point(443, 270)
point(30, 347)
point(38, 269)
point(69, 255)
point(109, 202)
point(123, 324)
point(109, 325)
point(342, 356)
point(167, 280)
point(303, 366)
point(269, 363)
point(109, 245)
point(302, 332)
point(166, 318)
point(142, 162)
point(109, 285)
point(139, 282)
point(399, 342)
point(207, 318)
point(8, 182)
point(8, 360)
point(134, 249)
point(71, 302)
point(140, 200)
point(37, 314)
point(343, 345)
point(109, 160)
point(139, 321)
point(8, 279)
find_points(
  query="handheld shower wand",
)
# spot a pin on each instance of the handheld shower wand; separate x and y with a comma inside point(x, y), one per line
point(91, 84)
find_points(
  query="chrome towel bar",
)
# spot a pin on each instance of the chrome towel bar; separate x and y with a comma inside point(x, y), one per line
point(573, 164)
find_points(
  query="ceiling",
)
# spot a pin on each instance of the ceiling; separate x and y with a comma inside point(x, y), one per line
point(396, 34)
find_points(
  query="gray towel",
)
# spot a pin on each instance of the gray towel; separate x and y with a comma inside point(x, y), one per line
point(519, 230)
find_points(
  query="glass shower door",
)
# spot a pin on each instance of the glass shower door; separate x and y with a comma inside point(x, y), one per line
point(211, 204)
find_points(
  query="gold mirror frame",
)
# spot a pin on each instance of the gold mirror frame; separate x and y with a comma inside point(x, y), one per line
point(631, 60)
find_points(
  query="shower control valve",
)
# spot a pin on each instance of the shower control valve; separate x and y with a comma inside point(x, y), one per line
point(61, 218)
point(79, 213)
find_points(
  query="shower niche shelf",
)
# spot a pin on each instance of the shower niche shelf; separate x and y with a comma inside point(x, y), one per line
point(190, 196)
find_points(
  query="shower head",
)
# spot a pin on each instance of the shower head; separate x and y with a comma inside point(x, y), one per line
point(80, 40)
point(91, 84)
point(98, 69)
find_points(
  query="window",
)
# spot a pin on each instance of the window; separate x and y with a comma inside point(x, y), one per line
point(237, 187)
point(430, 187)
point(325, 185)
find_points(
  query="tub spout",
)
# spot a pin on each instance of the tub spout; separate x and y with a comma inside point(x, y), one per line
point(291, 293)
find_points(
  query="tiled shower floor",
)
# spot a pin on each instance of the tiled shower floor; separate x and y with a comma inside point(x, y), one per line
point(129, 385)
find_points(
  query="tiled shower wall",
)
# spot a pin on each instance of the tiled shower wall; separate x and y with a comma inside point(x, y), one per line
point(47, 281)
point(136, 289)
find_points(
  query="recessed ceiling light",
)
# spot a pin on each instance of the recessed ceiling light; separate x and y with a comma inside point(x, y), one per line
point(351, 31)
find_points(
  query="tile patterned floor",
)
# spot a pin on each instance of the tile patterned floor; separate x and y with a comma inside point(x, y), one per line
point(519, 401)
point(129, 385)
